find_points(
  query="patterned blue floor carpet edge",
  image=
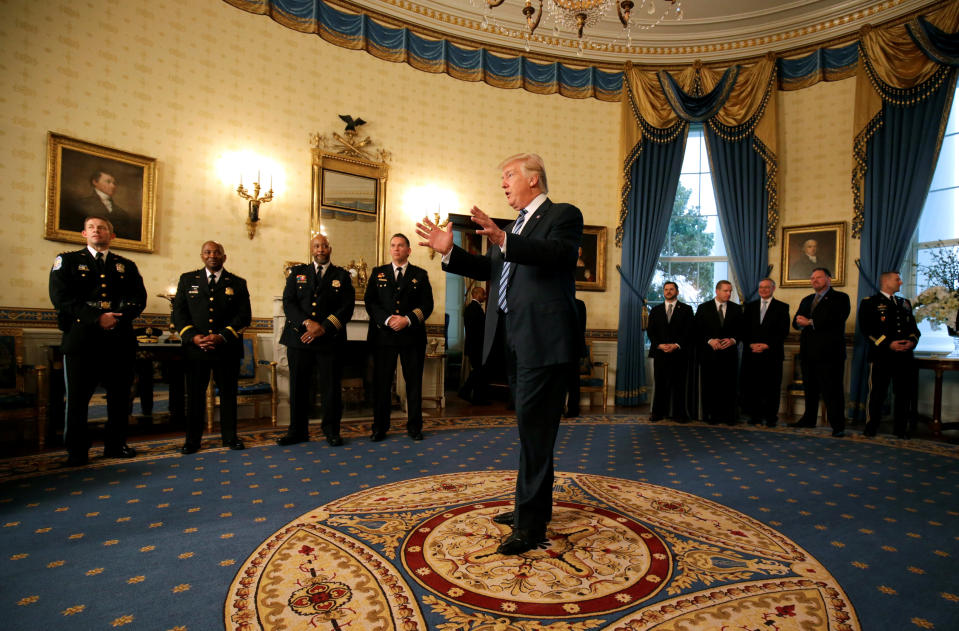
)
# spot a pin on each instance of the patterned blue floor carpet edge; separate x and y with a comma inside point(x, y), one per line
point(157, 541)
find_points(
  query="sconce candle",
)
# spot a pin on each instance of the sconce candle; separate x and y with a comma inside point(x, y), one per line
point(254, 201)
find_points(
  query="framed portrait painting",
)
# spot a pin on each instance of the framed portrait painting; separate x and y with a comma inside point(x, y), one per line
point(88, 180)
point(591, 264)
point(807, 247)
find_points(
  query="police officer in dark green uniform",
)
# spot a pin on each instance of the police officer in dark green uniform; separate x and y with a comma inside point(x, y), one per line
point(891, 333)
point(97, 295)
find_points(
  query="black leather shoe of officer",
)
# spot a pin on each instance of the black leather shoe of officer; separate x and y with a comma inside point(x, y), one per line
point(522, 540)
point(286, 439)
point(123, 451)
point(655, 418)
point(838, 433)
point(76, 460)
point(334, 440)
point(376, 437)
point(507, 519)
point(415, 435)
point(186, 450)
point(235, 444)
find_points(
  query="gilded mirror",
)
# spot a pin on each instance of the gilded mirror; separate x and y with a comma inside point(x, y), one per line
point(348, 204)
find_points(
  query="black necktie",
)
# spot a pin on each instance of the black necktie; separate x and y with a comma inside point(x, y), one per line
point(212, 281)
point(399, 275)
point(100, 265)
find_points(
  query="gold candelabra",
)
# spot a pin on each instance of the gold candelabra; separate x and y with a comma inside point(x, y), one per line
point(254, 201)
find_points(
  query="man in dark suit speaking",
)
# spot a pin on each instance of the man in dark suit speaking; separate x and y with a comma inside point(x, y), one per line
point(530, 267)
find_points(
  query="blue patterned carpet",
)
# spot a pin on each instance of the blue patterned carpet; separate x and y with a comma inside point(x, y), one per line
point(156, 542)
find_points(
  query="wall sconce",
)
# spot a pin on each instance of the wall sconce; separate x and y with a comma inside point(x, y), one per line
point(254, 202)
point(439, 224)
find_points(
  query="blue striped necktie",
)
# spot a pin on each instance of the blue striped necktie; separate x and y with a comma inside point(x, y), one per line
point(504, 278)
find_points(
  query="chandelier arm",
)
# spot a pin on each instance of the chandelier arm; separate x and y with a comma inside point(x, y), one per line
point(529, 12)
point(494, 3)
point(623, 9)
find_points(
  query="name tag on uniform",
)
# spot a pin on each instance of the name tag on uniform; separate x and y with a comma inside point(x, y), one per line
point(82, 267)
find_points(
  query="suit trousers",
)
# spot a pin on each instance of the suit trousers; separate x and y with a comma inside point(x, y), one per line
point(669, 377)
point(226, 372)
point(82, 373)
point(412, 359)
point(823, 378)
point(718, 378)
point(762, 386)
point(329, 372)
point(539, 393)
point(899, 369)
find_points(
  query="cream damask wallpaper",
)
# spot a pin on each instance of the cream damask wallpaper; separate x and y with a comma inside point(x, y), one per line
point(188, 83)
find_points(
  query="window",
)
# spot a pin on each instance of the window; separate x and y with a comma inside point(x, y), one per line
point(694, 255)
point(938, 229)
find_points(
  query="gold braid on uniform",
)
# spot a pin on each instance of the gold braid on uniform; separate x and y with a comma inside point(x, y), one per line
point(335, 321)
point(419, 314)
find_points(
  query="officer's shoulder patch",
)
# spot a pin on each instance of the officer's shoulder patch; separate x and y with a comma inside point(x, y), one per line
point(57, 263)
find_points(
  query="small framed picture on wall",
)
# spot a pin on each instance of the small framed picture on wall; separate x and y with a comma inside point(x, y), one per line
point(807, 247)
point(591, 264)
point(88, 180)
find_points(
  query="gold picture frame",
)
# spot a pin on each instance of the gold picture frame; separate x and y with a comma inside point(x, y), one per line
point(826, 242)
point(591, 265)
point(81, 174)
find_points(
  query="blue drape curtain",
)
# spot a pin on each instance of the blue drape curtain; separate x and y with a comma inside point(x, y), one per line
point(739, 177)
point(653, 176)
point(901, 158)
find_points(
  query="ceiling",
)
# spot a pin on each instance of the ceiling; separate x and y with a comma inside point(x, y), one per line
point(712, 30)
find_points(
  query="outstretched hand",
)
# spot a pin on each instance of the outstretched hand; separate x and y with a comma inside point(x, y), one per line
point(488, 227)
point(437, 239)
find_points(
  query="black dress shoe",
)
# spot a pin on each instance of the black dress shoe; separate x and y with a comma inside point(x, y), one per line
point(235, 444)
point(123, 451)
point(334, 441)
point(838, 433)
point(572, 412)
point(655, 418)
point(376, 437)
point(416, 435)
point(507, 519)
point(802, 423)
point(286, 439)
point(770, 423)
point(522, 540)
point(186, 450)
point(76, 460)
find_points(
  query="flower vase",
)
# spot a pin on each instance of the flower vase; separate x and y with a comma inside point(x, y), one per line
point(955, 341)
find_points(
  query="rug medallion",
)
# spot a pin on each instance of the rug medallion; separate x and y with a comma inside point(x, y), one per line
point(621, 554)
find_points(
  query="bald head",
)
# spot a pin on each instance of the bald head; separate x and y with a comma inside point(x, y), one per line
point(213, 256)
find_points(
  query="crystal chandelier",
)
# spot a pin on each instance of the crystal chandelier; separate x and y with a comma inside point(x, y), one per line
point(577, 15)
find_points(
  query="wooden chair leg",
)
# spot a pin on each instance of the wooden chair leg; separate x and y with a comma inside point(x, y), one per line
point(210, 406)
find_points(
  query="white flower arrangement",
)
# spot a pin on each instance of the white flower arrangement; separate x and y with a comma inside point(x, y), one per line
point(938, 305)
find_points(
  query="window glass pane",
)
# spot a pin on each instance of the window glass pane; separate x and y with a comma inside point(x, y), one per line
point(707, 201)
point(946, 170)
point(693, 149)
point(952, 126)
point(940, 217)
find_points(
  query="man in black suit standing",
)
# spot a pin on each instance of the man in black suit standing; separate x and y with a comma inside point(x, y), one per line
point(719, 326)
point(530, 267)
point(766, 324)
point(398, 299)
point(890, 329)
point(318, 301)
point(210, 310)
point(474, 317)
point(821, 320)
point(97, 295)
point(573, 384)
point(670, 330)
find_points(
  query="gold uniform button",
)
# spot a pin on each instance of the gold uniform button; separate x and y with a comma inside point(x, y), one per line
point(211, 319)
point(211, 298)
point(313, 313)
point(313, 304)
point(103, 284)
point(103, 275)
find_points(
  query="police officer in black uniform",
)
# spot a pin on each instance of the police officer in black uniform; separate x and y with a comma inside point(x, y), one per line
point(891, 333)
point(97, 295)
point(398, 299)
point(318, 302)
point(211, 309)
